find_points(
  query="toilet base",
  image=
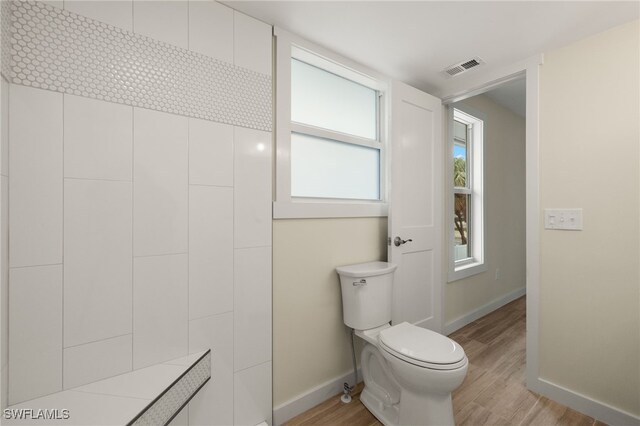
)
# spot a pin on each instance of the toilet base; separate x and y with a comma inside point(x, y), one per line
point(388, 415)
point(428, 410)
point(412, 410)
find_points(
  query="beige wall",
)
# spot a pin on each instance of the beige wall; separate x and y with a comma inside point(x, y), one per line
point(504, 186)
point(589, 158)
point(310, 342)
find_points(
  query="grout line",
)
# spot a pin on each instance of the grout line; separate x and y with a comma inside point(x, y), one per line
point(188, 220)
point(8, 315)
point(233, 256)
point(211, 186)
point(96, 341)
point(158, 255)
point(211, 315)
point(105, 394)
point(252, 247)
point(63, 214)
point(133, 115)
point(252, 366)
point(98, 179)
point(36, 266)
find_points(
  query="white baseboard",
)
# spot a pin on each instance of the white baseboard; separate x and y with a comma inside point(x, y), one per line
point(460, 322)
point(311, 398)
point(596, 409)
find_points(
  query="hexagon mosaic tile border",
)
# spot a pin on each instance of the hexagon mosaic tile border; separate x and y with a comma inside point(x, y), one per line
point(164, 408)
point(58, 50)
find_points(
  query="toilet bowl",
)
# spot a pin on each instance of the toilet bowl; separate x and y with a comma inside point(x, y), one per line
point(409, 372)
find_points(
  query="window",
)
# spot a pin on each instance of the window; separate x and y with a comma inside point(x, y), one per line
point(467, 195)
point(330, 134)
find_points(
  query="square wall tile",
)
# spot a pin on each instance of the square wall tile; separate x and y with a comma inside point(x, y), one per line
point(35, 332)
point(210, 152)
point(160, 305)
point(96, 361)
point(35, 188)
point(4, 127)
point(97, 260)
point(252, 188)
point(210, 250)
point(252, 395)
point(162, 20)
point(117, 13)
point(211, 29)
point(253, 43)
point(98, 138)
point(160, 183)
point(213, 405)
point(252, 307)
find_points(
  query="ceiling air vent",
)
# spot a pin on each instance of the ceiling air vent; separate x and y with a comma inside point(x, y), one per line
point(461, 67)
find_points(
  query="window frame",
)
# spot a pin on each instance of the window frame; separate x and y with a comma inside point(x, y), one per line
point(288, 46)
point(476, 222)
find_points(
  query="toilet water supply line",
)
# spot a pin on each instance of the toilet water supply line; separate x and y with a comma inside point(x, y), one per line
point(346, 397)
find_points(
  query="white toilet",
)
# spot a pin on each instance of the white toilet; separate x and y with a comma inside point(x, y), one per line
point(409, 372)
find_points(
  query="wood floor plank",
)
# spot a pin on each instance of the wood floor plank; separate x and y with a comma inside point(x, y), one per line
point(494, 391)
point(479, 379)
point(549, 413)
point(474, 415)
point(575, 418)
point(507, 400)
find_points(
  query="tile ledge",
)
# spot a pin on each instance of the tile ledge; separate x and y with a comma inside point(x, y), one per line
point(116, 405)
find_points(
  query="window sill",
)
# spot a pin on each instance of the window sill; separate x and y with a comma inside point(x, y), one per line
point(466, 271)
point(311, 209)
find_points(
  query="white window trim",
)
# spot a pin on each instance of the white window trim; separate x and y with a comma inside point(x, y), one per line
point(478, 261)
point(285, 206)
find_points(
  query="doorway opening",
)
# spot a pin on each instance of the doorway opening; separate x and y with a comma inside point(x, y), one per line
point(485, 229)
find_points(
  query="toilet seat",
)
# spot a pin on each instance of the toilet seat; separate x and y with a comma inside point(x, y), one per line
point(422, 347)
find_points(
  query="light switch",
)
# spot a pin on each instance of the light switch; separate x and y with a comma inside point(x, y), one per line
point(567, 219)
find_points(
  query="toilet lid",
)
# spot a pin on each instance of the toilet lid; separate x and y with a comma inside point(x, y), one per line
point(428, 348)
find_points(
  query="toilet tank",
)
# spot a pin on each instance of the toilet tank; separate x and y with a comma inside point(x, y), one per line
point(366, 294)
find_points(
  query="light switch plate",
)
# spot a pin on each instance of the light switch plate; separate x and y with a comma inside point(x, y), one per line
point(565, 219)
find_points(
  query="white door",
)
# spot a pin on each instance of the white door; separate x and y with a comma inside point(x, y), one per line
point(416, 206)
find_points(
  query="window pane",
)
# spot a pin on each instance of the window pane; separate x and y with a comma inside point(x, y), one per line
point(460, 145)
point(324, 168)
point(462, 208)
point(459, 164)
point(460, 130)
point(322, 99)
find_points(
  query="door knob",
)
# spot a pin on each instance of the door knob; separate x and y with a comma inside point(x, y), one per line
point(399, 241)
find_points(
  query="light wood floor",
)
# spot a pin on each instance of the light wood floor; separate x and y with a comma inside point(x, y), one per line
point(494, 391)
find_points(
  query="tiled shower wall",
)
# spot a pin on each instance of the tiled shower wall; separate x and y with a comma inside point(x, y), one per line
point(4, 240)
point(140, 206)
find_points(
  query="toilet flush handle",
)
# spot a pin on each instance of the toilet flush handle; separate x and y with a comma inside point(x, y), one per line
point(360, 283)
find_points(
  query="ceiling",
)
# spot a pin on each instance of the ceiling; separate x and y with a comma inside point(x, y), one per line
point(414, 41)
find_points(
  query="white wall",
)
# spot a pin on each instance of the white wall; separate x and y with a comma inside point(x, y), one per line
point(504, 185)
point(589, 155)
point(137, 235)
point(311, 344)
